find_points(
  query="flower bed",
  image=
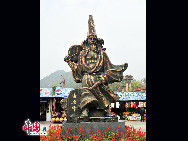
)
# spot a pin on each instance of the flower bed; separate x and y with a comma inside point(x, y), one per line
point(55, 134)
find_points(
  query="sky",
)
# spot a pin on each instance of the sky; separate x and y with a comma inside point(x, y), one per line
point(120, 23)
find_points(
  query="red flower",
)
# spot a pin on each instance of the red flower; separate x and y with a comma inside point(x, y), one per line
point(121, 133)
point(81, 129)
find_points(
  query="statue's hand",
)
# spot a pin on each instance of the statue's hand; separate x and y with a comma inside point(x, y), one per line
point(67, 58)
point(102, 78)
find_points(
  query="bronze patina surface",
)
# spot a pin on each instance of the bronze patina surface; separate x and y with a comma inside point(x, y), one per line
point(91, 66)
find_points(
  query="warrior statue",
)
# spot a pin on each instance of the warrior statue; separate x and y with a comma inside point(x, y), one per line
point(91, 66)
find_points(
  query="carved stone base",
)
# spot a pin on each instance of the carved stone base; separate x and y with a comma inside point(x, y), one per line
point(92, 119)
point(87, 127)
point(100, 119)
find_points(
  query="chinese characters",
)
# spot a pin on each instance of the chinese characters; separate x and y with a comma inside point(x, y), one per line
point(34, 129)
point(74, 102)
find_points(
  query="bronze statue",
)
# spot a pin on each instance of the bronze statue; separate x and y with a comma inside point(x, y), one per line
point(91, 66)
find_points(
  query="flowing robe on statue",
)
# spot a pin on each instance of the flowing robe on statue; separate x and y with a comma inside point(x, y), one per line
point(91, 67)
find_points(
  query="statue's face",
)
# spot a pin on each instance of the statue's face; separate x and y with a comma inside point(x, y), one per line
point(92, 41)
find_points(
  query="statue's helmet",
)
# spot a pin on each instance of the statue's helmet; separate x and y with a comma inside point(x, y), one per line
point(91, 34)
point(91, 28)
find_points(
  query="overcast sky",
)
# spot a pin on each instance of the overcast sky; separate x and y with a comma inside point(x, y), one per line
point(121, 23)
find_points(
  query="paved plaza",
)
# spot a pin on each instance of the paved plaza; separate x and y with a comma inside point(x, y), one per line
point(135, 124)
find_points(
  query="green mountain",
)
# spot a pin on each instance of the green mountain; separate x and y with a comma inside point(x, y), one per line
point(54, 79)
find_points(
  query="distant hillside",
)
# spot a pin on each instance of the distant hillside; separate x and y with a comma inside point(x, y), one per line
point(55, 78)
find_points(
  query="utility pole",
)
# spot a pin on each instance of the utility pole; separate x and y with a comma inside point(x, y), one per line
point(63, 81)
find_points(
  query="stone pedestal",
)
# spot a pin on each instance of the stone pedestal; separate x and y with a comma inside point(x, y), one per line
point(86, 127)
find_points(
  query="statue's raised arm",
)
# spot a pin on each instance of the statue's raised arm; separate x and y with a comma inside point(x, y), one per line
point(73, 61)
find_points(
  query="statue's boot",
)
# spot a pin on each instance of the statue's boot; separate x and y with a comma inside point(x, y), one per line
point(85, 113)
point(109, 113)
point(73, 115)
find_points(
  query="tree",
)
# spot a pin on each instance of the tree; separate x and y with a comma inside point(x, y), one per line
point(53, 90)
point(144, 80)
point(113, 86)
point(136, 84)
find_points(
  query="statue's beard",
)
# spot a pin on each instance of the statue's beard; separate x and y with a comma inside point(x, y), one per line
point(92, 43)
point(93, 47)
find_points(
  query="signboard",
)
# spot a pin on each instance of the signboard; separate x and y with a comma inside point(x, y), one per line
point(117, 104)
point(73, 109)
point(59, 92)
point(112, 105)
point(131, 95)
point(45, 92)
point(62, 92)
